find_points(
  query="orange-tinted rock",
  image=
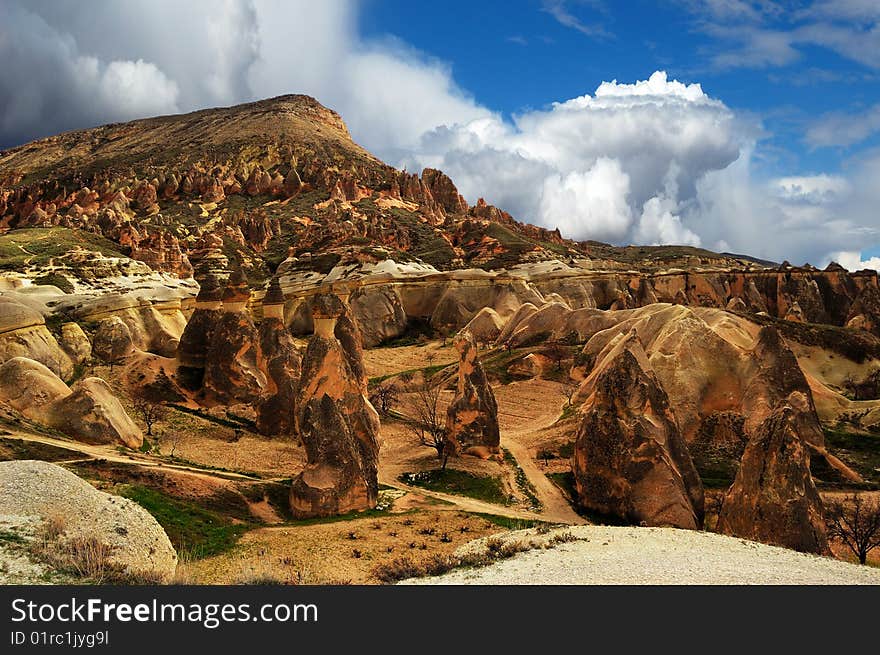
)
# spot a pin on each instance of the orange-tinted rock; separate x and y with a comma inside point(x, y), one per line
point(773, 499)
point(630, 460)
point(472, 416)
point(338, 426)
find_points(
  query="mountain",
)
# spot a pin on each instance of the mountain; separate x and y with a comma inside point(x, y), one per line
point(263, 180)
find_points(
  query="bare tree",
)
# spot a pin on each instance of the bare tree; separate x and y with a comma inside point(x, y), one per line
point(855, 521)
point(427, 422)
point(556, 353)
point(383, 397)
point(149, 411)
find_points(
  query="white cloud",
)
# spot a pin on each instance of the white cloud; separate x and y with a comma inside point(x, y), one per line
point(814, 189)
point(839, 129)
point(852, 260)
point(647, 144)
point(591, 204)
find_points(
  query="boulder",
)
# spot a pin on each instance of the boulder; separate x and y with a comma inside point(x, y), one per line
point(75, 343)
point(137, 544)
point(337, 424)
point(630, 460)
point(773, 499)
point(92, 414)
point(472, 416)
point(29, 387)
point(113, 341)
point(485, 326)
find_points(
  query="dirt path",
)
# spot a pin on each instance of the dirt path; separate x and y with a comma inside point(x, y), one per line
point(524, 409)
point(109, 454)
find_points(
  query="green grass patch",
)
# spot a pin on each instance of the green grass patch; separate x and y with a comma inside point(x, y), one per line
point(565, 482)
point(194, 531)
point(35, 246)
point(461, 483)
point(510, 523)
point(55, 280)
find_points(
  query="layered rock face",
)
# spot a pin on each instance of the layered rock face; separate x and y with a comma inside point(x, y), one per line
point(232, 370)
point(337, 424)
point(630, 460)
point(23, 333)
point(472, 416)
point(282, 363)
point(773, 499)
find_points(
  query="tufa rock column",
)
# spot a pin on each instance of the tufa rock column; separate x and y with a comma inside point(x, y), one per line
point(337, 424)
point(472, 416)
point(232, 371)
point(282, 363)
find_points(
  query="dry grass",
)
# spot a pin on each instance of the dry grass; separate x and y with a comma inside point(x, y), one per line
point(494, 549)
point(83, 557)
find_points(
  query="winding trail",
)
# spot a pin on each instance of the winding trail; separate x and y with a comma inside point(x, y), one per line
point(543, 401)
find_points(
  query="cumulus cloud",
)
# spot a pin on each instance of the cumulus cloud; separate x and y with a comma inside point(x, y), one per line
point(813, 189)
point(621, 164)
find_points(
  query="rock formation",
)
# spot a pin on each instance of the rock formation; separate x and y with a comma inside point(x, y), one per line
point(192, 351)
point(92, 414)
point(472, 416)
point(630, 460)
point(88, 412)
point(113, 341)
point(23, 333)
point(337, 424)
point(773, 499)
point(135, 541)
point(232, 371)
point(282, 363)
point(75, 343)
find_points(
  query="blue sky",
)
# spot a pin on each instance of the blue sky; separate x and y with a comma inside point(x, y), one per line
point(750, 126)
point(515, 56)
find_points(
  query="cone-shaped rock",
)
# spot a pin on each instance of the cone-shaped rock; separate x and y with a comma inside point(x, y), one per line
point(630, 460)
point(281, 362)
point(192, 350)
point(773, 498)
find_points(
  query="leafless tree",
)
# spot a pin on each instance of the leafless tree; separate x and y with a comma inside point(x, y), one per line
point(149, 411)
point(556, 353)
point(855, 521)
point(383, 397)
point(427, 422)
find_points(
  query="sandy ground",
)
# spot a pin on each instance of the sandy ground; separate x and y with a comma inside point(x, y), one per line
point(325, 553)
point(623, 555)
point(389, 361)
